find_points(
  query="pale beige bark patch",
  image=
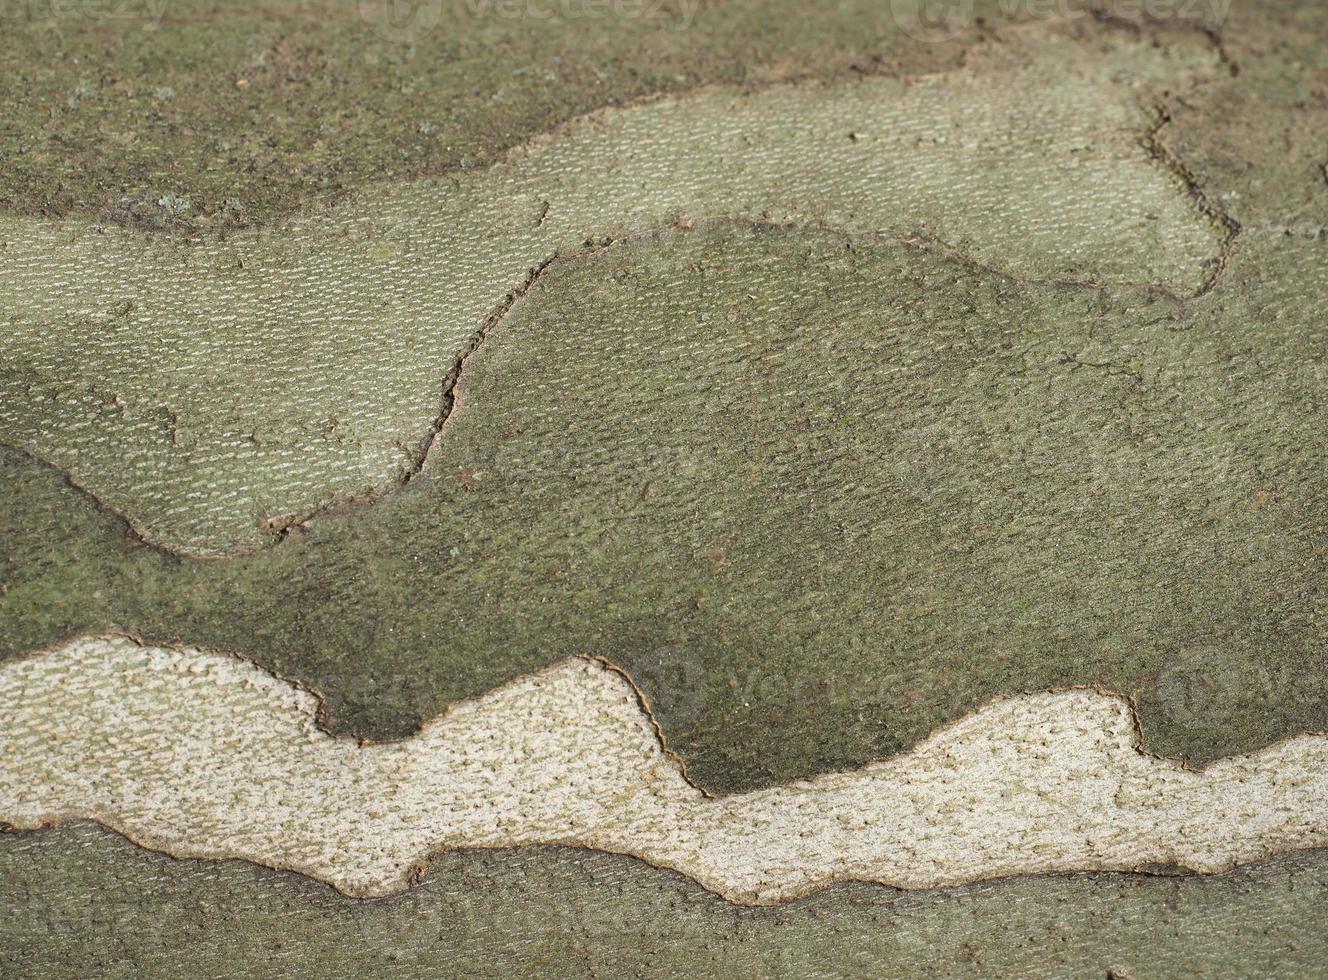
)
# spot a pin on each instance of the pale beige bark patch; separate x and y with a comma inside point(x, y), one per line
point(204, 755)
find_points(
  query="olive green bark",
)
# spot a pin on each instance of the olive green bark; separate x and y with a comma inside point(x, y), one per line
point(872, 488)
point(816, 496)
point(87, 903)
point(217, 390)
point(191, 113)
point(824, 495)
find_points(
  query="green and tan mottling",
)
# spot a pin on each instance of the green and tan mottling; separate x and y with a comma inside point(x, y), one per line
point(86, 903)
point(217, 390)
point(238, 112)
point(1072, 485)
point(818, 497)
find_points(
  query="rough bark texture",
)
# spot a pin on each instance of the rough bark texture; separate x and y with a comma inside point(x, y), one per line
point(818, 487)
point(87, 903)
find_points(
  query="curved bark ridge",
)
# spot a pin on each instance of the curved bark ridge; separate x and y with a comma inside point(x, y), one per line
point(215, 391)
point(204, 755)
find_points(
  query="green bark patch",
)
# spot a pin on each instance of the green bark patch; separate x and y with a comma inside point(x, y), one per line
point(190, 114)
point(217, 391)
point(817, 497)
point(86, 903)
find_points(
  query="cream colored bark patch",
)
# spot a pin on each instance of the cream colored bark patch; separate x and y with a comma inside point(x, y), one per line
point(204, 755)
point(214, 390)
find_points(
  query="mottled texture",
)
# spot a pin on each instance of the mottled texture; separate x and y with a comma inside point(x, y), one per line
point(215, 392)
point(203, 755)
point(1154, 523)
point(86, 903)
point(184, 114)
point(816, 499)
point(1253, 140)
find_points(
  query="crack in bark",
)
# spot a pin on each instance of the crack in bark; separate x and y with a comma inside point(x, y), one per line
point(282, 526)
point(1165, 157)
point(476, 341)
point(416, 460)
